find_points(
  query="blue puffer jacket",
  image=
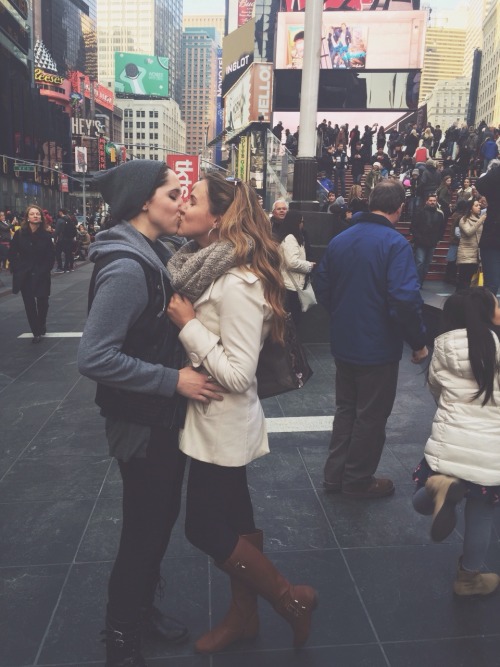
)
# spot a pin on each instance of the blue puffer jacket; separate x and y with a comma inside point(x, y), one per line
point(368, 282)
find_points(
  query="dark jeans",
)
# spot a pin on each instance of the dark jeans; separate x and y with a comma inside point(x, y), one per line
point(292, 306)
point(364, 399)
point(218, 508)
point(65, 247)
point(151, 503)
point(490, 260)
point(36, 310)
point(339, 175)
point(423, 259)
point(465, 273)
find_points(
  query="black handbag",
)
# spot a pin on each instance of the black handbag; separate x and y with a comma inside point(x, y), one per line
point(282, 368)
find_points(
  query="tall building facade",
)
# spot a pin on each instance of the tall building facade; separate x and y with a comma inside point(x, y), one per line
point(477, 11)
point(152, 128)
point(68, 29)
point(448, 102)
point(152, 27)
point(199, 70)
point(443, 59)
point(216, 21)
point(488, 100)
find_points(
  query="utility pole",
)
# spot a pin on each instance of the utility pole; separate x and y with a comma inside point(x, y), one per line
point(306, 166)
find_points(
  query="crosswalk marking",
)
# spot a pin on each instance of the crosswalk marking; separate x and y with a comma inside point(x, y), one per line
point(56, 334)
point(298, 424)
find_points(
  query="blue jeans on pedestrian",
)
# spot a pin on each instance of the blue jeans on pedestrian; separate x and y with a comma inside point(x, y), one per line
point(339, 174)
point(490, 259)
point(423, 259)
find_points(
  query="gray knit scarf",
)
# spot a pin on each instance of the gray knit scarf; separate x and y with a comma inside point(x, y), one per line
point(193, 268)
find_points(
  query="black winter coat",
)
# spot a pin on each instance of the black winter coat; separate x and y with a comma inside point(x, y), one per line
point(31, 257)
point(427, 227)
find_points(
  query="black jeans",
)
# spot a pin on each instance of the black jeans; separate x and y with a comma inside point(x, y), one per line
point(218, 508)
point(36, 310)
point(364, 397)
point(69, 256)
point(465, 273)
point(151, 503)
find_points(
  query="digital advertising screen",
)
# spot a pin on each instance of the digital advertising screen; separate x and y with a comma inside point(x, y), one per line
point(351, 89)
point(141, 75)
point(352, 5)
point(355, 40)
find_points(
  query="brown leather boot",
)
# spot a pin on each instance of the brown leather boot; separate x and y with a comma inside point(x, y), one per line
point(475, 583)
point(242, 619)
point(447, 492)
point(294, 603)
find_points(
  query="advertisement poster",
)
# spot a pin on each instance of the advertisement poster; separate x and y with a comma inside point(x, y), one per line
point(137, 74)
point(187, 168)
point(242, 160)
point(257, 157)
point(80, 159)
point(63, 183)
point(354, 41)
point(245, 11)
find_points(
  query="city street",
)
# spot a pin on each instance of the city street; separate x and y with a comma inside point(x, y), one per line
point(385, 589)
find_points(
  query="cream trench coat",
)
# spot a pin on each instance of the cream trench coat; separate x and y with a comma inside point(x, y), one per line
point(232, 321)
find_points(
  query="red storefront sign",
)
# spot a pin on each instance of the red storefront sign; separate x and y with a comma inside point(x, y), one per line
point(187, 169)
point(102, 153)
point(80, 83)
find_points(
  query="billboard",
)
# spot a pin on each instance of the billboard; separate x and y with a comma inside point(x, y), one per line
point(80, 159)
point(82, 85)
point(356, 40)
point(251, 98)
point(219, 123)
point(237, 54)
point(187, 168)
point(140, 75)
point(351, 5)
point(245, 11)
point(351, 89)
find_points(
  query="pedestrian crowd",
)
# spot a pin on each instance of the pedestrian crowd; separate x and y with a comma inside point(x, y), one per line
point(173, 340)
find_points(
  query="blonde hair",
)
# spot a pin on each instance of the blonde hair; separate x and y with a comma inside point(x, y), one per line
point(356, 192)
point(242, 218)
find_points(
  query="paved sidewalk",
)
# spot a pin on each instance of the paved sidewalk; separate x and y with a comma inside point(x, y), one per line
point(385, 589)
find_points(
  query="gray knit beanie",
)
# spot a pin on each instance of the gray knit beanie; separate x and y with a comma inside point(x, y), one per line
point(128, 187)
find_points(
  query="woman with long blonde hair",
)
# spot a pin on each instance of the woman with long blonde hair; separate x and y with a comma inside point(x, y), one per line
point(356, 192)
point(229, 298)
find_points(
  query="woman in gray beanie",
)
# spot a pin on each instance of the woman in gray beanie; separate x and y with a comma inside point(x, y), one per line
point(130, 348)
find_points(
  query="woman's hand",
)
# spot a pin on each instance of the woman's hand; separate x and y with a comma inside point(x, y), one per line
point(199, 386)
point(180, 310)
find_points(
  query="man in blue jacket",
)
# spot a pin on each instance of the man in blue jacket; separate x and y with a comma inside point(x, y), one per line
point(368, 282)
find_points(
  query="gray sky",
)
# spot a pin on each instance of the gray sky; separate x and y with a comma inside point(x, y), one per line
point(204, 7)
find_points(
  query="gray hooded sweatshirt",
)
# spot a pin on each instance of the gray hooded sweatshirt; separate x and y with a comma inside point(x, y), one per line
point(120, 297)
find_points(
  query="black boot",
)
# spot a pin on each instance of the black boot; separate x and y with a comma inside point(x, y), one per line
point(123, 644)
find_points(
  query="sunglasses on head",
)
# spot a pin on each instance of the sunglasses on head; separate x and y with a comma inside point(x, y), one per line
point(234, 180)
